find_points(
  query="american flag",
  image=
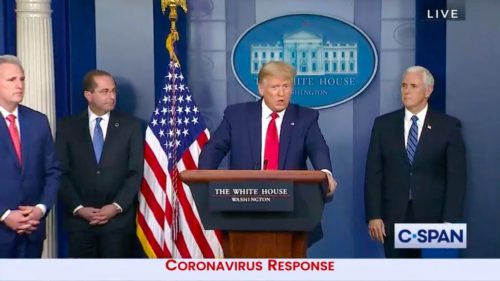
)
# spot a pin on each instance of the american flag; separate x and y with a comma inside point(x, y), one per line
point(168, 223)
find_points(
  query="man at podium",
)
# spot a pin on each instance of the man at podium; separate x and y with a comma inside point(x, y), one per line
point(271, 133)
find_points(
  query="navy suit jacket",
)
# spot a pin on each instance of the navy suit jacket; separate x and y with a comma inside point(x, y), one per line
point(437, 177)
point(37, 181)
point(240, 134)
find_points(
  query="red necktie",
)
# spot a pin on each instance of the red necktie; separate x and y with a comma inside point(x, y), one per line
point(14, 135)
point(272, 148)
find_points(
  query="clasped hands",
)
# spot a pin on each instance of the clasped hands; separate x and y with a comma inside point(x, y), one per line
point(96, 216)
point(24, 220)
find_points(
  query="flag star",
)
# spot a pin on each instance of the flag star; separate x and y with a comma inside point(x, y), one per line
point(165, 99)
point(195, 120)
point(164, 110)
point(177, 143)
point(163, 121)
point(188, 98)
point(176, 64)
point(162, 133)
point(180, 109)
point(170, 144)
point(171, 121)
point(179, 121)
point(175, 75)
point(181, 87)
point(177, 132)
point(169, 76)
point(187, 110)
point(175, 87)
point(185, 132)
point(170, 133)
point(154, 122)
point(157, 111)
point(181, 99)
point(181, 77)
point(186, 121)
point(195, 109)
point(168, 88)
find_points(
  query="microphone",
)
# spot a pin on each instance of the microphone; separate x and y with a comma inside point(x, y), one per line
point(265, 164)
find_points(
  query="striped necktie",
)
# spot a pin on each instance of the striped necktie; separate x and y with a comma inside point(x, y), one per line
point(411, 145)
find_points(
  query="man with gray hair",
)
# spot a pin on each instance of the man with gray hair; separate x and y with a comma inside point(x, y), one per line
point(29, 172)
point(415, 169)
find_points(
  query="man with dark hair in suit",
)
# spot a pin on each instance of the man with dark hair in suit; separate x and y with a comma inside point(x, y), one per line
point(415, 170)
point(101, 154)
point(272, 133)
point(29, 172)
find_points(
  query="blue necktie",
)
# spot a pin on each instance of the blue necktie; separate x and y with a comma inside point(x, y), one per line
point(98, 140)
point(411, 145)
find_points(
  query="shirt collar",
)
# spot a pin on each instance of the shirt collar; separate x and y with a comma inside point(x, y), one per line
point(5, 113)
point(421, 115)
point(266, 111)
point(93, 116)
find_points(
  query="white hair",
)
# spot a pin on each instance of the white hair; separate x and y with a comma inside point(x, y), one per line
point(427, 76)
point(12, 60)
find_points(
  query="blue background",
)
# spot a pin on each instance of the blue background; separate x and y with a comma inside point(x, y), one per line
point(463, 55)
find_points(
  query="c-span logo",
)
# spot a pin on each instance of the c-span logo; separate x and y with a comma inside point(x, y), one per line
point(430, 235)
point(335, 60)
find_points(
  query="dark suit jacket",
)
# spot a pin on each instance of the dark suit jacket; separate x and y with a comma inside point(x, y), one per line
point(240, 133)
point(116, 178)
point(37, 181)
point(437, 177)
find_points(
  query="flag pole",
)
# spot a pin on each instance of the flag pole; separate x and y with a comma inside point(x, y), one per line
point(173, 36)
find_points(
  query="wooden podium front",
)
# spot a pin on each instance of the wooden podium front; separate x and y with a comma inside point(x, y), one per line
point(262, 234)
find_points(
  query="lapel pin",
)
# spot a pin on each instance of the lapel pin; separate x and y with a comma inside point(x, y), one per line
point(429, 126)
point(293, 123)
point(117, 125)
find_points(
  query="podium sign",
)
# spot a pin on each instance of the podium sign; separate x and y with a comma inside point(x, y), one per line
point(257, 196)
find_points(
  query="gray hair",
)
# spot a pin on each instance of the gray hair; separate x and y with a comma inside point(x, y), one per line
point(427, 75)
point(12, 60)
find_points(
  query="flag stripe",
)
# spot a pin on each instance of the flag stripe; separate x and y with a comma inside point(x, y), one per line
point(149, 240)
point(168, 221)
point(193, 222)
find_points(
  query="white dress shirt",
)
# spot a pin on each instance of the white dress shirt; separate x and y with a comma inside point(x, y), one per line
point(420, 123)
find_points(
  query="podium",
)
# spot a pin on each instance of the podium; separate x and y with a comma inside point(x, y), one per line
point(261, 233)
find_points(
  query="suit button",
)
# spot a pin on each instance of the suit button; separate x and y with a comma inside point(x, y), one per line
point(98, 172)
point(411, 174)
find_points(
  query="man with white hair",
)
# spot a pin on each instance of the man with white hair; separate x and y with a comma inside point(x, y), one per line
point(415, 169)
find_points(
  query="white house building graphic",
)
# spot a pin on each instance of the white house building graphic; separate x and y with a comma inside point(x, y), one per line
point(308, 53)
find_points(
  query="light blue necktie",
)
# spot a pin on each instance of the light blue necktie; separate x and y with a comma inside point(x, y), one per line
point(411, 145)
point(98, 140)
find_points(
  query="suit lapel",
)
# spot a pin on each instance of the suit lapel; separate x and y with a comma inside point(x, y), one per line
point(423, 141)
point(6, 140)
point(26, 135)
point(112, 134)
point(401, 135)
point(289, 120)
point(84, 134)
point(254, 121)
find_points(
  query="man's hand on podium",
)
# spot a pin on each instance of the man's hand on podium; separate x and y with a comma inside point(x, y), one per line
point(332, 185)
